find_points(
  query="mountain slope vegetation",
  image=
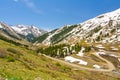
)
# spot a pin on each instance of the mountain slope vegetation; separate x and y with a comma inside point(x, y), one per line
point(104, 28)
point(92, 46)
point(22, 63)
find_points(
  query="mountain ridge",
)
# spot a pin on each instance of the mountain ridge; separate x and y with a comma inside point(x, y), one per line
point(20, 32)
point(103, 28)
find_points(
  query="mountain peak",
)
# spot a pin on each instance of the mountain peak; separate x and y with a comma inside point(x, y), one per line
point(25, 30)
point(117, 10)
point(104, 28)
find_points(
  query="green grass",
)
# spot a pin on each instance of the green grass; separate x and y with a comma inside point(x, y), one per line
point(30, 66)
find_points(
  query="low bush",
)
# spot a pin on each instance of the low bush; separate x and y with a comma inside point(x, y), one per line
point(14, 51)
point(88, 48)
point(58, 64)
point(10, 77)
point(10, 59)
point(3, 53)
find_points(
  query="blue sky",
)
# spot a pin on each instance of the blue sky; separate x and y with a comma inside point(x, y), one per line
point(51, 14)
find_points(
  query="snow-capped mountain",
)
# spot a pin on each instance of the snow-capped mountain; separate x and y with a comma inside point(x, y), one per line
point(20, 32)
point(104, 28)
point(28, 31)
point(8, 32)
point(25, 30)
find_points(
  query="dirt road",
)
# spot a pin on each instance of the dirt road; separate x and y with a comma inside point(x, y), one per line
point(110, 65)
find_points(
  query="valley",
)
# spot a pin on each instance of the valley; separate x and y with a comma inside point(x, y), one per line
point(22, 63)
point(84, 51)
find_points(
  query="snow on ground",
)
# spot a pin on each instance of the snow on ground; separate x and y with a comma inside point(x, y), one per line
point(113, 36)
point(113, 48)
point(113, 55)
point(72, 45)
point(83, 62)
point(118, 38)
point(72, 59)
point(73, 51)
point(104, 41)
point(96, 66)
point(100, 46)
point(81, 52)
point(98, 53)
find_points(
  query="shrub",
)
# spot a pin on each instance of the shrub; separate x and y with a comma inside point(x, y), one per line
point(58, 64)
point(10, 59)
point(14, 78)
point(88, 48)
point(14, 51)
point(3, 53)
point(98, 38)
point(66, 69)
point(113, 30)
point(97, 29)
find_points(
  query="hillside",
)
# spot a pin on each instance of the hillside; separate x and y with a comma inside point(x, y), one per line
point(21, 63)
point(104, 28)
point(20, 32)
point(85, 51)
point(7, 31)
point(29, 32)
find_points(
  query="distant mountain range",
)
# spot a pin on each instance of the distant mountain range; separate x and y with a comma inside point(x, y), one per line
point(20, 32)
point(30, 32)
point(104, 28)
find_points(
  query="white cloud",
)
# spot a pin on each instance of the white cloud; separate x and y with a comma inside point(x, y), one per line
point(15, 0)
point(32, 6)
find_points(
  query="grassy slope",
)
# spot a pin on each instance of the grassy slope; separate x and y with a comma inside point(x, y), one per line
point(29, 66)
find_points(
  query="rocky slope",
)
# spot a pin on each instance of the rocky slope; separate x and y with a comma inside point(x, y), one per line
point(8, 32)
point(104, 28)
point(30, 32)
point(20, 32)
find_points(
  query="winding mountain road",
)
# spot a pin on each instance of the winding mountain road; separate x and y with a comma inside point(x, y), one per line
point(110, 65)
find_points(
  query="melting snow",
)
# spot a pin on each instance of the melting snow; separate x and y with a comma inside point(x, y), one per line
point(118, 38)
point(112, 55)
point(98, 53)
point(83, 62)
point(73, 45)
point(100, 46)
point(73, 51)
point(113, 48)
point(72, 59)
point(96, 66)
point(81, 52)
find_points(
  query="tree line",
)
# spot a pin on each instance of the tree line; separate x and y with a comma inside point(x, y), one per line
point(63, 50)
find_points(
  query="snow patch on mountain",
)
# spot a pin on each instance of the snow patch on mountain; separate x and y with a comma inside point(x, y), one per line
point(1, 26)
point(104, 28)
point(26, 30)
